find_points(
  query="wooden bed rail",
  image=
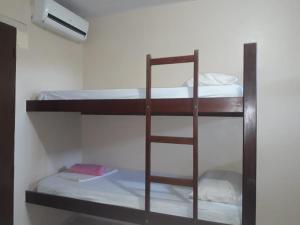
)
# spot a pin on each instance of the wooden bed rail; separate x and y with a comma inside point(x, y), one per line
point(223, 107)
point(124, 214)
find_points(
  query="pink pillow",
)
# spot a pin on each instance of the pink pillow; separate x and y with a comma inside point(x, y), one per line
point(88, 169)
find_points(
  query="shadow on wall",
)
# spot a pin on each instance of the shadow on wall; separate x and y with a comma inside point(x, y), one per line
point(59, 135)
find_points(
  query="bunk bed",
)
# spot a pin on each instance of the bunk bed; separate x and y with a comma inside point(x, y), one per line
point(241, 106)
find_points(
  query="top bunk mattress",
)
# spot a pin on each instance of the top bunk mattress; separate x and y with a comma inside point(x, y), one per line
point(217, 91)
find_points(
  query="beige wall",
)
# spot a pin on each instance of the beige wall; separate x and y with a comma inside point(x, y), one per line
point(44, 142)
point(114, 57)
point(120, 141)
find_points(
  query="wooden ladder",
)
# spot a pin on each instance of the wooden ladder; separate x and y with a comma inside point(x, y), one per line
point(172, 140)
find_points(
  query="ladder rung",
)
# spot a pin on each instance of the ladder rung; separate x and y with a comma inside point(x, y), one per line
point(173, 60)
point(172, 140)
point(172, 181)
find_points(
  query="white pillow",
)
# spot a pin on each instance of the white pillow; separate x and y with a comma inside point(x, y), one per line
point(212, 79)
point(220, 186)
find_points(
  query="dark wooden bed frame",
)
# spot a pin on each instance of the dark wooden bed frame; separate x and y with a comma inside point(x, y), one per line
point(234, 107)
point(7, 121)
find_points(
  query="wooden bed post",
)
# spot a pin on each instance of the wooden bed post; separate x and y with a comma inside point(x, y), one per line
point(195, 135)
point(7, 121)
point(250, 135)
point(148, 142)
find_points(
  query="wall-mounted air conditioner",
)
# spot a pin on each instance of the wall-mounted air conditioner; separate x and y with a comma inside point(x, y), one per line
point(50, 15)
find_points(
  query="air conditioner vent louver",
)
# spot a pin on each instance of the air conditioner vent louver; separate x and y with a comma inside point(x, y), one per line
point(61, 22)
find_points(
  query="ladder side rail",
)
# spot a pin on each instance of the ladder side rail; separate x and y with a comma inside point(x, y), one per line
point(195, 135)
point(148, 138)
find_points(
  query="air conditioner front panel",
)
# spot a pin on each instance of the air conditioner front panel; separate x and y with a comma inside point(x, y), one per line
point(62, 30)
point(48, 14)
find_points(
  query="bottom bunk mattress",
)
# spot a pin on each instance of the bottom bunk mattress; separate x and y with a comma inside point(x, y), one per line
point(127, 189)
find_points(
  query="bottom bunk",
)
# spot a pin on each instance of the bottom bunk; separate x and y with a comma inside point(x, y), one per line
point(121, 196)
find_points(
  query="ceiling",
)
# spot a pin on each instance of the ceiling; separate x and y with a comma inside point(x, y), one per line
point(95, 8)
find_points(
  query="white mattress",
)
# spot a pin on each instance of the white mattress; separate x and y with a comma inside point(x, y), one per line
point(126, 188)
point(178, 92)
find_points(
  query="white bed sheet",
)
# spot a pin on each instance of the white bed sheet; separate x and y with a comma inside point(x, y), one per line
point(157, 93)
point(126, 188)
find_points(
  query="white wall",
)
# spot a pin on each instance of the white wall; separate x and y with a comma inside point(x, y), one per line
point(43, 142)
point(114, 57)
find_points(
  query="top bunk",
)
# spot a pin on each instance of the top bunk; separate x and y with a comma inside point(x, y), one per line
point(230, 106)
point(223, 100)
